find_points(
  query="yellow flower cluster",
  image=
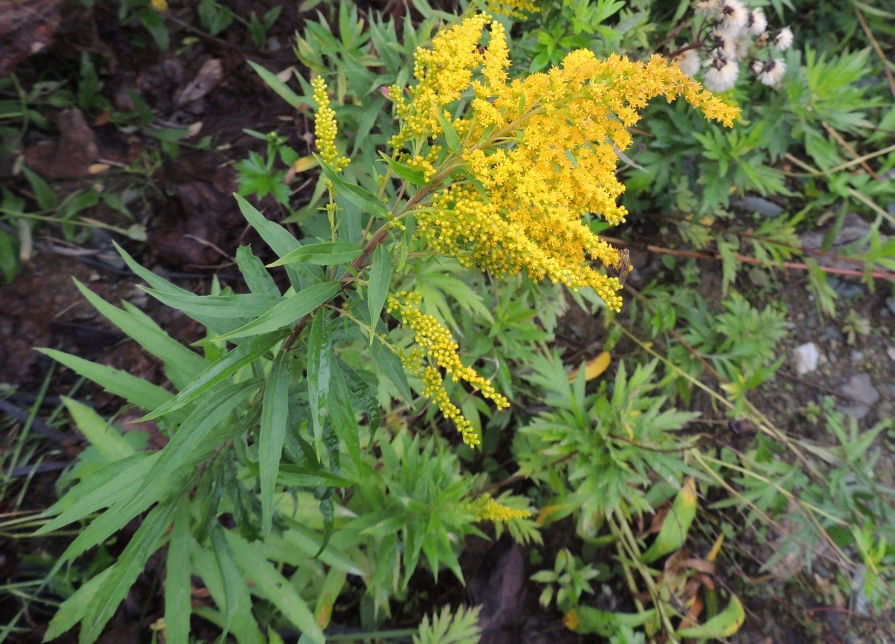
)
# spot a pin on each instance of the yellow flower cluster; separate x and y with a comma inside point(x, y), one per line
point(540, 152)
point(484, 508)
point(325, 128)
point(438, 345)
point(514, 8)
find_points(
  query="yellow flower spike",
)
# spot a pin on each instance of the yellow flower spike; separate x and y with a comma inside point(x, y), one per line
point(486, 508)
point(325, 127)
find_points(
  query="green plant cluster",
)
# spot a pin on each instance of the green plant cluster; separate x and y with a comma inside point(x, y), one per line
point(305, 469)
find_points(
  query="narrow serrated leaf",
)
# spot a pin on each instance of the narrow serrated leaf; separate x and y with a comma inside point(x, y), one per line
point(230, 575)
point(323, 254)
point(236, 359)
point(124, 573)
point(288, 312)
point(363, 199)
point(342, 414)
point(282, 90)
point(274, 419)
point(256, 276)
point(389, 365)
point(267, 583)
point(177, 581)
point(319, 366)
point(136, 391)
point(380, 283)
point(411, 175)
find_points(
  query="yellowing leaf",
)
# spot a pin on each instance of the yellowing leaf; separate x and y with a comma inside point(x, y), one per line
point(724, 624)
point(161, 5)
point(677, 523)
point(716, 548)
point(98, 168)
point(594, 367)
point(304, 163)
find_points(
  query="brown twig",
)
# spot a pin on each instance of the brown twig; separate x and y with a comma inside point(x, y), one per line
point(848, 147)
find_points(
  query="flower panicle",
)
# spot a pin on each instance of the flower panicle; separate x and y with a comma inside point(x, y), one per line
point(436, 344)
point(325, 127)
point(540, 152)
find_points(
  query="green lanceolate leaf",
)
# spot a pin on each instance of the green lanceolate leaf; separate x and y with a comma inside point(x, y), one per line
point(181, 364)
point(241, 305)
point(101, 434)
point(236, 359)
point(380, 282)
point(268, 583)
point(412, 176)
point(282, 90)
point(191, 444)
point(124, 573)
point(319, 367)
point(177, 580)
point(135, 390)
point(289, 311)
point(450, 134)
point(389, 365)
point(342, 414)
point(324, 254)
point(366, 201)
point(256, 276)
point(230, 574)
point(75, 607)
point(274, 235)
point(274, 419)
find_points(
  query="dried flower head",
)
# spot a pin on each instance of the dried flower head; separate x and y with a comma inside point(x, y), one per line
point(722, 45)
point(783, 39)
point(757, 22)
point(771, 71)
point(721, 75)
point(707, 7)
point(689, 62)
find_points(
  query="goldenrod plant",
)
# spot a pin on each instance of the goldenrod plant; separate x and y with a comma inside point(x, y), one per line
point(278, 448)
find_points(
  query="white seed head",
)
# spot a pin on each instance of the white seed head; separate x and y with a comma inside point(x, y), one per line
point(772, 73)
point(783, 39)
point(733, 17)
point(757, 22)
point(721, 75)
point(689, 62)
